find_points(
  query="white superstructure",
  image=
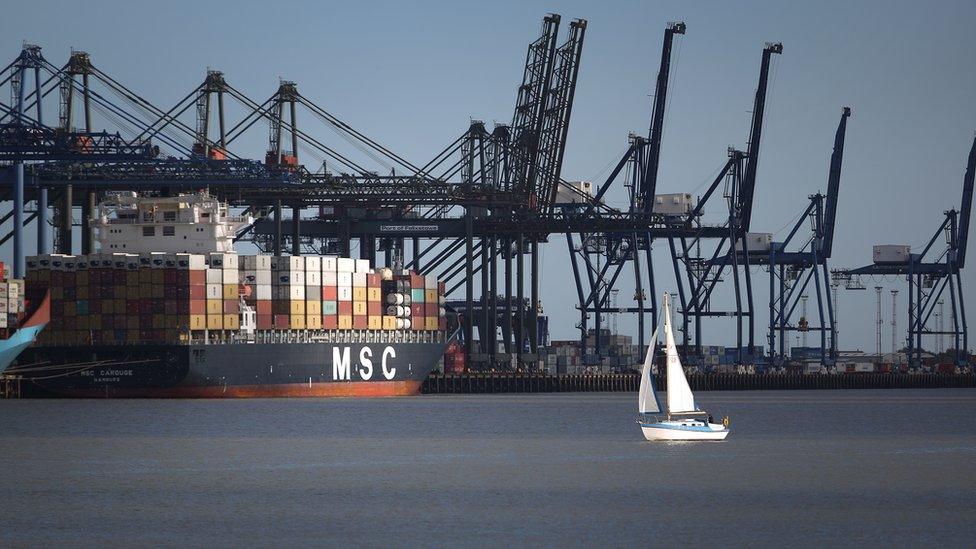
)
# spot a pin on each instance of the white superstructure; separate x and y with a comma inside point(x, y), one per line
point(186, 223)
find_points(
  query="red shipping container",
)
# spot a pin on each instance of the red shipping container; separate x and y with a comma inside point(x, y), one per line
point(281, 322)
point(169, 277)
point(330, 293)
point(416, 281)
point(442, 324)
point(198, 306)
point(373, 280)
point(198, 278)
point(441, 288)
point(345, 307)
point(263, 307)
point(232, 307)
point(330, 322)
point(417, 309)
point(359, 322)
point(264, 322)
point(374, 308)
point(417, 323)
point(431, 309)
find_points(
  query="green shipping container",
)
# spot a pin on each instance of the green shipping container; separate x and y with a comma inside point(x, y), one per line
point(330, 308)
point(417, 295)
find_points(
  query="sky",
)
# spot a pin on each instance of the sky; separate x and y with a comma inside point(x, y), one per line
point(413, 75)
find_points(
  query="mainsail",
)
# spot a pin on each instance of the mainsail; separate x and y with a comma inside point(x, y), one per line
point(647, 402)
point(680, 398)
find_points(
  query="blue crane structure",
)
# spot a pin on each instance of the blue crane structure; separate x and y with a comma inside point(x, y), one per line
point(930, 273)
point(704, 272)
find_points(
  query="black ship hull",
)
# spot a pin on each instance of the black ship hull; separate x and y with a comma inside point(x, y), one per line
point(235, 370)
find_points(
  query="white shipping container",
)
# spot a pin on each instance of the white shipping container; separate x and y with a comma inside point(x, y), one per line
point(674, 204)
point(262, 291)
point(296, 292)
point(230, 276)
point(892, 253)
point(215, 276)
point(191, 262)
point(3, 289)
point(4, 307)
point(359, 280)
point(344, 279)
point(362, 266)
point(329, 263)
point(313, 278)
point(288, 263)
point(215, 291)
point(3, 321)
point(573, 192)
point(344, 293)
point(330, 278)
point(345, 265)
point(430, 282)
point(256, 277)
point(313, 263)
point(757, 242)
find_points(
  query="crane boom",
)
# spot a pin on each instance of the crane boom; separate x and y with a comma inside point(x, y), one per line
point(967, 206)
point(833, 182)
point(649, 186)
point(755, 134)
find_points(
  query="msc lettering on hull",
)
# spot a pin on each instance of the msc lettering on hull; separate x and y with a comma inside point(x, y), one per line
point(342, 369)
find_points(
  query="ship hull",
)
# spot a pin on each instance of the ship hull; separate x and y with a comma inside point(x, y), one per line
point(237, 370)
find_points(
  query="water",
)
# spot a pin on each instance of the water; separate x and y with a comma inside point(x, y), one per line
point(871, 468)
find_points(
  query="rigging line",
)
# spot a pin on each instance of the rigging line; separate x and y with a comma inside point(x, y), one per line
point(333, 120)
point(268, 115)
point(137, 99)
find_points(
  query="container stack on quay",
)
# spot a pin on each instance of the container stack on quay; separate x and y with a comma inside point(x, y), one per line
point(155, 297)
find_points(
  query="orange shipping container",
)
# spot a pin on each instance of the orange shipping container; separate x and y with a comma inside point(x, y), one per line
point(215, 322)
point(389, 322)
point(359, 308)
point(232, 322)
point(313, 322)
point(215, 307)
point(296, 308)
point(297, 322)
point(198, 322)
point(345, 322)
point(359, 294)
point(374, 323)
point(372, 294)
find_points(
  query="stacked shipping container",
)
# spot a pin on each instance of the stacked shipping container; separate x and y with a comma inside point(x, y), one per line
point(171, 298)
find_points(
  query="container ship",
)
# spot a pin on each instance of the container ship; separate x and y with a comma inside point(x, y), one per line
point(167, 308)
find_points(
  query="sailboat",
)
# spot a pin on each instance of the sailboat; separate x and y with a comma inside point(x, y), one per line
point(683, 420)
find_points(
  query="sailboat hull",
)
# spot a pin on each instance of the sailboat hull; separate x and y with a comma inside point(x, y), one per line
point(679, 430)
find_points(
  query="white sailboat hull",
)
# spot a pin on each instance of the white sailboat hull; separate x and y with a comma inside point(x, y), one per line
point(681, 430)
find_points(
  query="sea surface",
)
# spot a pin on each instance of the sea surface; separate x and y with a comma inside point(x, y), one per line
point(852, 468)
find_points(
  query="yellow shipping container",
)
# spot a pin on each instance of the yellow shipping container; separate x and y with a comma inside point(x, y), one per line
point(313, 308)
point(297, 322)
point(374, 294)
point(359, 294)
point(389, 322)
point(215, 322)
point(359, 308)
point(374, 323)
point(430, 296)
point(345, 322)
point(198, 322)
point(230, 291)
point(430, 323)
point(297, 308)
point(313, 322)
point(215, 307)
point(232, 322)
